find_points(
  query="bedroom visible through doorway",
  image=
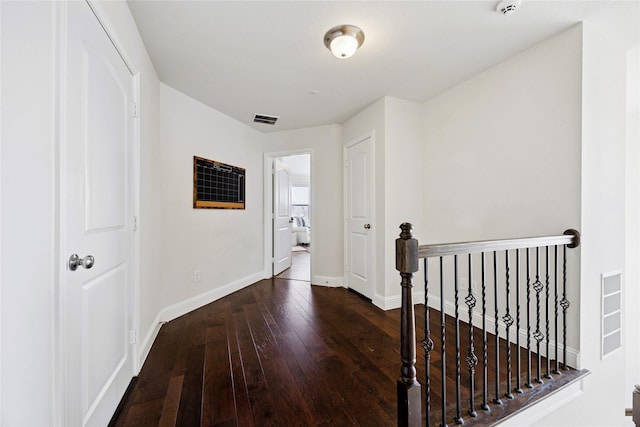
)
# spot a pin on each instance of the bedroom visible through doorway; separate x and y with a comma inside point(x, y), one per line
point(300, 216)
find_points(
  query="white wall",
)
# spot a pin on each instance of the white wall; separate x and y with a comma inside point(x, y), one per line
point(632, 225)
point(28, 246)
point(503, 149)
point(225, 245)
point(404, 168)
point(326, 194)
point(603, 228)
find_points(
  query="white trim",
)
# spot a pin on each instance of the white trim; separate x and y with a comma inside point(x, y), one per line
point(145, 344)
point(387, 303)
point(97, 10)
point(545, 406)
point(137, 244)
point(1, 223)
point(59, 58)
point(372, 236)
point(268, 200)
point(60, 86)
point(331, 282)
point(395, 301)
point(573, 355)
point(176, 310)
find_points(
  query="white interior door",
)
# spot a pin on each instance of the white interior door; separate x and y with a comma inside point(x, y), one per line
point(96, 220)
point(359, 264)
point(281, 217)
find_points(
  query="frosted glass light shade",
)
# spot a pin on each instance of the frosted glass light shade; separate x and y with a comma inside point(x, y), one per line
point(344, 46)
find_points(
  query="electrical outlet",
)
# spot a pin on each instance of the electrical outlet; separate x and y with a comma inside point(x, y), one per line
point(196, 276)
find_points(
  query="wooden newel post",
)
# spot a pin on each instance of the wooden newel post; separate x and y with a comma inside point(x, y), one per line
point(409, 396)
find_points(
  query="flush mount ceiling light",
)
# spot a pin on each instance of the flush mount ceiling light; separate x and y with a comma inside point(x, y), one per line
point(343, 40)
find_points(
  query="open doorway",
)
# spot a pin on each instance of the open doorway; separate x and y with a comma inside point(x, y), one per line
point(299, 241)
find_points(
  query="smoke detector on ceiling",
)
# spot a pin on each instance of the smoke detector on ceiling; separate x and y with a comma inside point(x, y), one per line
point(507, 7)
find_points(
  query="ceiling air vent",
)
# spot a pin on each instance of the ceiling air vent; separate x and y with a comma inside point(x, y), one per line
point(261, 118)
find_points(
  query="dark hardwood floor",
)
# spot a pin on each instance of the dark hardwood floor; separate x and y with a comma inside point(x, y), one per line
point(284, 353)
point(281, 353)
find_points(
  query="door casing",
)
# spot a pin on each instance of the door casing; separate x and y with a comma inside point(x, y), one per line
point(268, 198)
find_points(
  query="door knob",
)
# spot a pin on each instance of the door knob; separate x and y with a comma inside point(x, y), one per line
point(367, 226)
point(75, 261)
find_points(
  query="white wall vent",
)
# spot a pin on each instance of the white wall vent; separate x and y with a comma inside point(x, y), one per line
point(262, 118)
point(611, 337)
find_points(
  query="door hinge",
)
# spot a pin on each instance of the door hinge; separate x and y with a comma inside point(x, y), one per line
point(133, 336)
point(133, 109)
point(135, 223)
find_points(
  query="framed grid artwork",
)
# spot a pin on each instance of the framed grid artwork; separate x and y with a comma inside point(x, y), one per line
point(217, 185)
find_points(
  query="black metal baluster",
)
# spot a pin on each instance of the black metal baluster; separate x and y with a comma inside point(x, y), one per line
point(555, 305)
point(548, 322)
point(427, 343)
point(508, 321)
point(444, 347)
point(538, 335)
point(564, 303)
point(485, 361)
point(528, 384)
point(518, 388)
point(458, 417)
point(471, 360)
point(497, 337)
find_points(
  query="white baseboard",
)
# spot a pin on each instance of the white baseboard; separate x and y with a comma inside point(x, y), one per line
point(395, 301)
point(332, 282)
point(145, 345)
point(176, 310)
point(573, 355)
point(386, 303)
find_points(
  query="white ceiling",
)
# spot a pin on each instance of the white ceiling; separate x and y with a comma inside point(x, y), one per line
point(268, 57)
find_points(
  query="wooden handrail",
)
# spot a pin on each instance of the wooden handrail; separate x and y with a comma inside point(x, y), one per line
point(571, 238)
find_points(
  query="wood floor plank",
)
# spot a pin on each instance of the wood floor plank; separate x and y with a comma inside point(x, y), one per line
point(242, 405)
point(144, 414)
point(190, 409)
point(217, 391)
point(169, 414)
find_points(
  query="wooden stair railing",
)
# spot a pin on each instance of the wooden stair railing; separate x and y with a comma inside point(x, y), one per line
point(544, 288)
